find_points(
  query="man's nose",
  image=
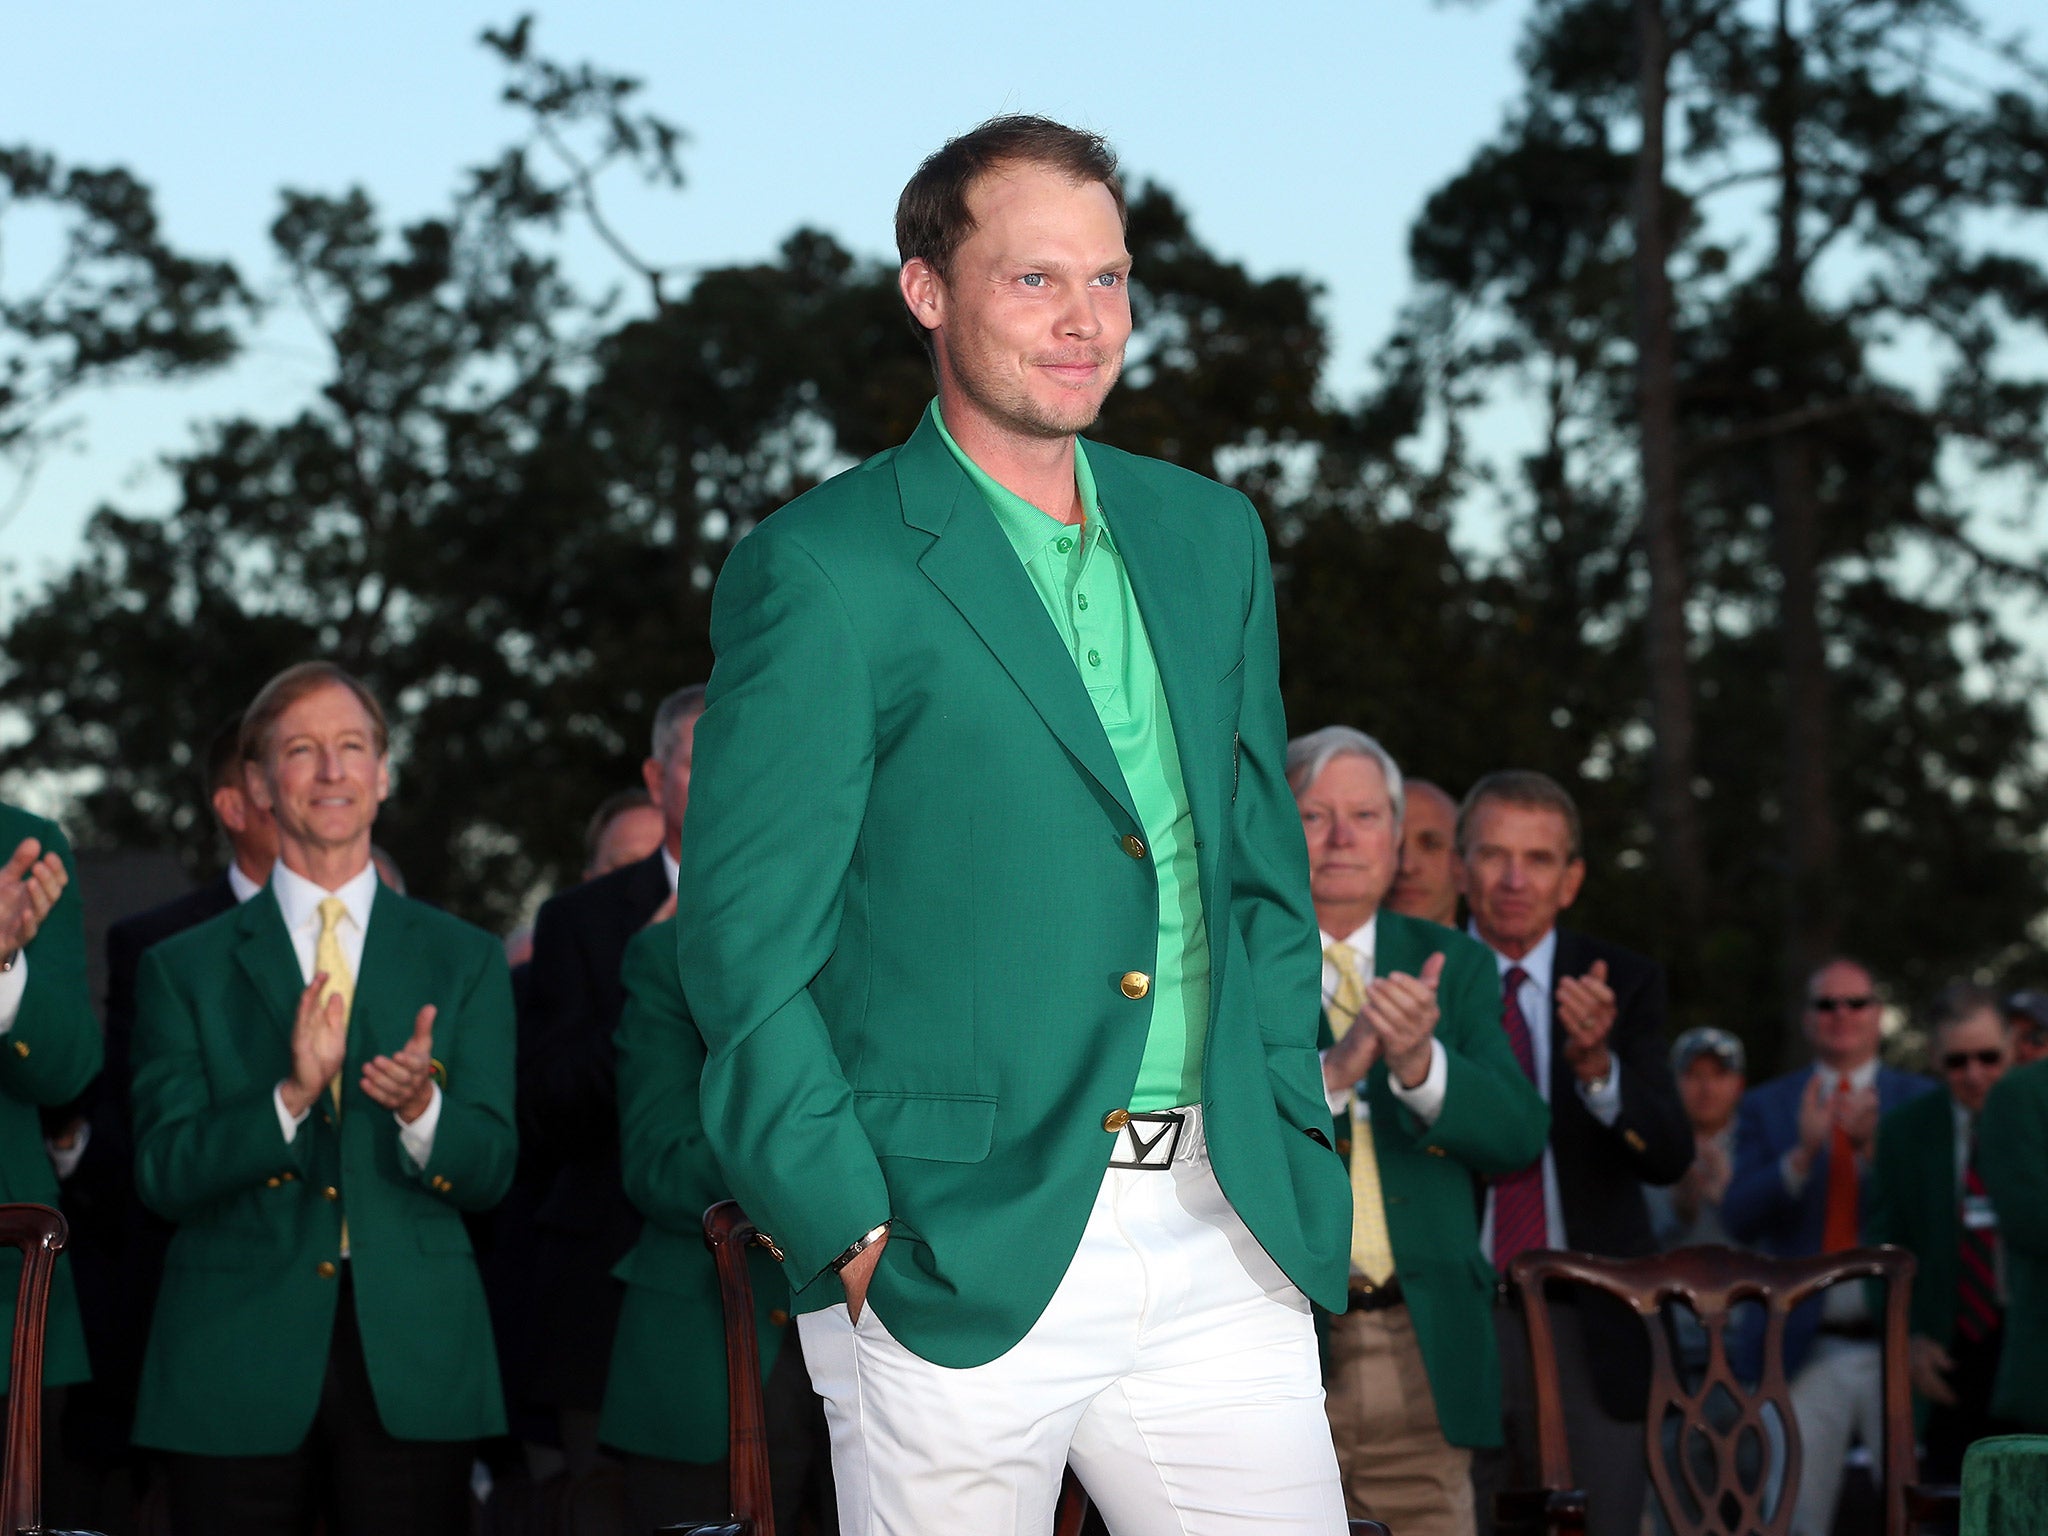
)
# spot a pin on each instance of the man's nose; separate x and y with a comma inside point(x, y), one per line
point(1079, 318)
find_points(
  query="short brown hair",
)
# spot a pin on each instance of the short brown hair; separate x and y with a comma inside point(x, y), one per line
point(1528, 789)
point(609, 810)
point(932, 216)
point(295, 683)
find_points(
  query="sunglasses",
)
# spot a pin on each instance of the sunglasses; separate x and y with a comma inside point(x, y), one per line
point(1831, 1004)
point(1955, 1061)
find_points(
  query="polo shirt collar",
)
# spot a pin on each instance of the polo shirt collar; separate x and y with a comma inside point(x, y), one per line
point(1030, 529)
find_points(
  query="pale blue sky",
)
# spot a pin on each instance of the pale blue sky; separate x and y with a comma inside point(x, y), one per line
point(1301, 134)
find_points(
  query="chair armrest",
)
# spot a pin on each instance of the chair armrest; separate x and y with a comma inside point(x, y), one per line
point(1553, 1510)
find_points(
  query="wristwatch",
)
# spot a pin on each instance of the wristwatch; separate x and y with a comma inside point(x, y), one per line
point(859, 1246)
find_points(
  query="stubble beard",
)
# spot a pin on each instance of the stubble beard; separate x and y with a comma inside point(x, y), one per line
point(1014, 407)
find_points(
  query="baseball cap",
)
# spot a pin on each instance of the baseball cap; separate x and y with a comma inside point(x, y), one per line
point(2029, 1004)
point(1707, 1041)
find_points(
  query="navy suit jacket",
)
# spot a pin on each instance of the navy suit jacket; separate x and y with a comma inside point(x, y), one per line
point(1759, 1212)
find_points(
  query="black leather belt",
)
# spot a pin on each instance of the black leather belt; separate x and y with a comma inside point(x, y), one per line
point(1367, 1297)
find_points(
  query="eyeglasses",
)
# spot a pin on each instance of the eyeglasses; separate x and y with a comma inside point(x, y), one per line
point(1955, 1061)
point(1830, 1004)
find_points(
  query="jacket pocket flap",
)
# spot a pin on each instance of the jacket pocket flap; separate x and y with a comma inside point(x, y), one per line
point(946, 1128)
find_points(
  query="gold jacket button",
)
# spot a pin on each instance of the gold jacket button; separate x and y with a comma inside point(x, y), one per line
point(1134, 845)
point(272, 1182)
point(331, 1192)
point(325, 1269)
point(1135, 984)
point(1116, 1120)
point(779, 1318)
point(21, 1049)
point(289, 1178)
point(1436, 1151)
point(1634, 1141)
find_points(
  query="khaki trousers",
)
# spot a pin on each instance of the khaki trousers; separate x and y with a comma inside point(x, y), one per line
point(1391, 1452)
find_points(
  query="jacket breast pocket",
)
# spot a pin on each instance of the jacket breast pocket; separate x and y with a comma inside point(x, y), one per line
point(942, 1127)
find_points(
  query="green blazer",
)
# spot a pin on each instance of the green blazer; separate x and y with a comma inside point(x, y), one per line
point(665, 1394)
point(1914, 1203)
point(48, 1057)
point(907, 905)
point(1493, 1122)
point(2012, 1154)
point(239, 1342)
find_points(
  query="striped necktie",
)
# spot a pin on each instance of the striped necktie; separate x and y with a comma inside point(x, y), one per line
point(1518, 1220)
point(1372, 1250)
point(1978, 1313)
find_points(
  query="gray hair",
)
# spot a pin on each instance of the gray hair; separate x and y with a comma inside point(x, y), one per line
point(671, 712)
point(1308, 756)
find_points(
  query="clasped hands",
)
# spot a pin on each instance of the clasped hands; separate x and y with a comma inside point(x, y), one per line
point(403, 1082)
point(1587, 1010)
point(30, 883)
point(1820, 1112)
point(1397, 1021)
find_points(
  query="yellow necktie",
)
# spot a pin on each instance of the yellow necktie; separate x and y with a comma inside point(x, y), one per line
point(329, 960)
point(1372, 1251)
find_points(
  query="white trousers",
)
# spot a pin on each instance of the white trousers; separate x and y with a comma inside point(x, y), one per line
point(1837, 1398)
point(1175, 1367)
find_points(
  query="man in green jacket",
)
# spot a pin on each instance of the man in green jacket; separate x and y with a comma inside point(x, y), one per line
point(49, 1051)
point(665, 1393)
point(1927, 1195)
point(994, 917)
point(2013, 1146)
point(323, 1085)
point(1429, 1101)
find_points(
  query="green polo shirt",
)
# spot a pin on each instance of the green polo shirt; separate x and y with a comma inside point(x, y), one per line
point(1080, 578)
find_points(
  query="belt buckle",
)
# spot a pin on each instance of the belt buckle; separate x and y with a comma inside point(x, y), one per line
point(1148, 1140)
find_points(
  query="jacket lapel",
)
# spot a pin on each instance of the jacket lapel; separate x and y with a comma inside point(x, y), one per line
point(265, 954)
point(1165, 576)
point(1393, 946)
point(974, 566)
point(380, 1019)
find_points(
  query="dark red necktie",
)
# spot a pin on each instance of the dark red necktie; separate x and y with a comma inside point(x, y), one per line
point(1977, 1311)
point(1518, 1223)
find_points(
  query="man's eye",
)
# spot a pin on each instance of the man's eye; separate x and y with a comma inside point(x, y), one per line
point(1033, 279)
point(1110, 279)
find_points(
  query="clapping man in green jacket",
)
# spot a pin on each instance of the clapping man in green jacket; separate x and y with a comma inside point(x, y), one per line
point(1429, 1102)
point(49, 1051)
point(323, 1085)
point(994, 918)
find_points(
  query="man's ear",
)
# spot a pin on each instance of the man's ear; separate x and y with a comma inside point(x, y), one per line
point(231, 805)
point(924, 292)
point(383, 778)
point(651, 776)
point(1574, 877)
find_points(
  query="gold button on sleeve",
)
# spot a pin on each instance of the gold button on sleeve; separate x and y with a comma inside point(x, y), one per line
point(21, 1048)
point(1135, 984)
point(1134, 845)
point(1116, 1120)
point(272, 1182)
point(331, 1192)
point(779, 1318)
point(325, 1269)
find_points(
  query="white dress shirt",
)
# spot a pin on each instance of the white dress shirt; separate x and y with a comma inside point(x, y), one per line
point(671, 868)
point(13, 983)
point(1426, 1099)
point(299, 899)
point(241, 884)
point(1602, 1099)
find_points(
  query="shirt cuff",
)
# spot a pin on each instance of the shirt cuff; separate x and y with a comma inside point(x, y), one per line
point(66, 1159)
point(418, 1138)
point(1603, 1099)
point(13, 983)
point(288, 1122)
point(1339, 1099)
point(1795, 1181)
point(1425, 1100)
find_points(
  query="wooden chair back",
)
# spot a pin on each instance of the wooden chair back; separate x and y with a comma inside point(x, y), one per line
point(40, 1233)
point(1710, 1443)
